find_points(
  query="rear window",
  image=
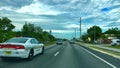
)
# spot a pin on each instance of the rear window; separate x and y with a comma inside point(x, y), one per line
point(59, 40)
point(17, 40)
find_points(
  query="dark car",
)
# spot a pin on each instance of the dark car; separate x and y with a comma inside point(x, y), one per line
point(71, 42)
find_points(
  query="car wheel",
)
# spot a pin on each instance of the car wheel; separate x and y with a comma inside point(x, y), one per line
point(42, 50)
point(31, 55)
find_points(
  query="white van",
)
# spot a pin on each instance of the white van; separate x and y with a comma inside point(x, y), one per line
point(115, 42)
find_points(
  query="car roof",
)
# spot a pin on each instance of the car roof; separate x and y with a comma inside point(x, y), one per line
point(24, 37)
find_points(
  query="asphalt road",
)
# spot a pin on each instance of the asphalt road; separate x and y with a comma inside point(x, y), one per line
point(65, 56)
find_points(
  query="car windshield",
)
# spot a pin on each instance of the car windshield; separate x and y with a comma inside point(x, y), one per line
point(17, 40)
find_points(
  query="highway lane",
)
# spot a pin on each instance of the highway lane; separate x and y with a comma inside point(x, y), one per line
point(57, 56)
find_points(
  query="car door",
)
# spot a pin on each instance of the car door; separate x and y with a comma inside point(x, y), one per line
point(36, 46)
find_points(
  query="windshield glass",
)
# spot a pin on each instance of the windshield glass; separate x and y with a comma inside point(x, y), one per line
point(17, 40)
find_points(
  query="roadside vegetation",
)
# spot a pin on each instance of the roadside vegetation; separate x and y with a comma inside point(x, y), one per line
point(49, 43)
point(118, 47)
point(105, 50)
point(28, 30)
point(96, 35)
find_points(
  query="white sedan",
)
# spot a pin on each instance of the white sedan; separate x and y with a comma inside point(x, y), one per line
point(21, 47)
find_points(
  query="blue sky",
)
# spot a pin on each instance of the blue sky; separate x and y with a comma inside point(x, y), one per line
point(62, 16)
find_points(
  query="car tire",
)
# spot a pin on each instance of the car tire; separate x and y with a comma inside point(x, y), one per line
point(43, 50)
point(31, 55)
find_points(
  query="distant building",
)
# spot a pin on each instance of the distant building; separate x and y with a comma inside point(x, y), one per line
point(110, 36)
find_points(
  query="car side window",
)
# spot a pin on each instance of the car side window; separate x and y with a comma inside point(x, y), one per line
point(37, 42)
point(32, 41)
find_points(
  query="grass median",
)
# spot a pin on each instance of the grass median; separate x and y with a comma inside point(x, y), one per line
point(105, 50)
point(117, 47)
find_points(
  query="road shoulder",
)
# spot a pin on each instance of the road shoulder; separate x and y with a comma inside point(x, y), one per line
point(106, 50)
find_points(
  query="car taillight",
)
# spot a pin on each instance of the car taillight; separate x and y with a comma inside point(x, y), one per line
point(19, 47)
point(1, 46)
point(12, 46)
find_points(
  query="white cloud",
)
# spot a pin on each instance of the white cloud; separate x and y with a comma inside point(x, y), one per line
point(38, 9)
point(31, 20)
point(6, 8)
point(118, 20)
point(18, 26)
point(50, 15)
point(72, 26)
point(61, 31)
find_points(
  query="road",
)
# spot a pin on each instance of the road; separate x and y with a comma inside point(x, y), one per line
point(65, 56)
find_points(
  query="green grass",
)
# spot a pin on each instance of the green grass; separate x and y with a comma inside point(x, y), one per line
point(117, 47)
point(105, 50)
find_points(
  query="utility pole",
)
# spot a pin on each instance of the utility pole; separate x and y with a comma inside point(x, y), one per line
point(75, 33)
point(80, 27)
point(94, 33)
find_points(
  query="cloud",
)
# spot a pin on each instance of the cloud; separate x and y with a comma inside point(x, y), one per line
point(114, 24)
point(72, 26)
point(17, 26)
point(62, 16)
point(54, 2)
point(15, 3)
point(39, 9)
point(61, 31)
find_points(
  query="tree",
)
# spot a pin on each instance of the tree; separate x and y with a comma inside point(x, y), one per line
point(28, 29)
point(38, 29)
point(114, 31)
point(94, 32)
point(6, 28)
point(5, 24)
point(84, 37)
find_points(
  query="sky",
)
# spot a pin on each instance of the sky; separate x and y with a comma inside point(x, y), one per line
point(62, 16)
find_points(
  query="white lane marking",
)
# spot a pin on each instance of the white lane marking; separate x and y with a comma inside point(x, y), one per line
point(56, 53)
point(99, 58)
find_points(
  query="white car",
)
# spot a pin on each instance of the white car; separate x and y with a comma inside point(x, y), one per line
point(21, 47)
point(115, 42)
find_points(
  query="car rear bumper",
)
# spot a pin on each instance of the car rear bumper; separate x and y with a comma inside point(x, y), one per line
point(59, 43)
point(14, 53)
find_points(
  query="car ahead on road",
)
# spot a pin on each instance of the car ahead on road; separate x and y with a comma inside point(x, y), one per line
point(115, 42)
point(71, 42)
point(21, 47)
point(59, 42)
